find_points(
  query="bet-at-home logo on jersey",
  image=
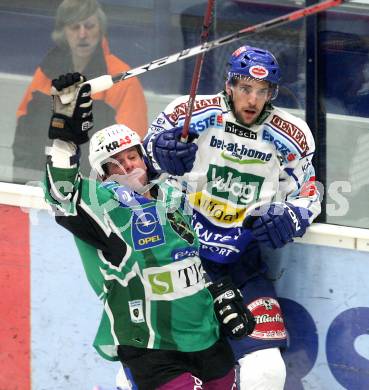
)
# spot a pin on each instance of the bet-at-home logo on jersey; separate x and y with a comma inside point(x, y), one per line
point(236, 187)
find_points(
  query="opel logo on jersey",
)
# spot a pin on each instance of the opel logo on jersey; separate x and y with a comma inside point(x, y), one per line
point(146, 223)
point(258, 71)
point(147, 231)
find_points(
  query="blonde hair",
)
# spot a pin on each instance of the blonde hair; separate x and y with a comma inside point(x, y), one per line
point(74, 11)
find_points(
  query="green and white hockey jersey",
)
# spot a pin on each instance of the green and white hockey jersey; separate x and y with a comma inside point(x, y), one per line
point(141, 258)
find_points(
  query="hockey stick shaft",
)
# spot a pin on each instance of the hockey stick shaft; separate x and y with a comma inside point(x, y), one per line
point(197, 70)
point(103, 83)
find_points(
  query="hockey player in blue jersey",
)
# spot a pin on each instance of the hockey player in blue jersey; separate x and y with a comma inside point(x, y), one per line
point(248, 172)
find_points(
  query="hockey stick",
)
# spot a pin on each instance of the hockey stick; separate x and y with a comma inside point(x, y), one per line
point(194, 83)
point(105, 82)
point(197, 71)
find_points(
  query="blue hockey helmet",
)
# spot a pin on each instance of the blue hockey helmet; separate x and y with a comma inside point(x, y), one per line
point(259, 64)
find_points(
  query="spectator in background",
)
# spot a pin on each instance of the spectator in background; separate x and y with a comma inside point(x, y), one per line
point(81, 46)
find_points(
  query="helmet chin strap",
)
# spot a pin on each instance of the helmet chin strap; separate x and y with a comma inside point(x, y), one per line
point(230, 100)
point(132, 180)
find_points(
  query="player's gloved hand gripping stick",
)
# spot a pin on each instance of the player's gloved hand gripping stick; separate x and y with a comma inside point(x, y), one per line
point(72, 121)
point(171, 154)
point(170, 148)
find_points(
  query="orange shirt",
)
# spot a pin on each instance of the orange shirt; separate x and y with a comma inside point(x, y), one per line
point(125, 98)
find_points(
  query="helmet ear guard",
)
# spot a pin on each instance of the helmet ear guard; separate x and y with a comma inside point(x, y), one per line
point(258, 64)
point(105, 143)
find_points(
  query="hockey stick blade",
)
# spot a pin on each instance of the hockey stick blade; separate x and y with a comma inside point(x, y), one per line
point(104, 82)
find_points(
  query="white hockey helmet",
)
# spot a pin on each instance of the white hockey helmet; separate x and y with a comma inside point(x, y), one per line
point(109, 141)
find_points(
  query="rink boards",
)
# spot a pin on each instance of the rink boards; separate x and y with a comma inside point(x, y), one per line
point(50, 315)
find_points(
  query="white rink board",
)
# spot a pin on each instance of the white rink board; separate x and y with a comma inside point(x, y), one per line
point(325, 299)
point(322, 289)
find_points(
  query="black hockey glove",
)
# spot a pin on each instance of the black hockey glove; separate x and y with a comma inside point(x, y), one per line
point(235, 319)
point(71, 121)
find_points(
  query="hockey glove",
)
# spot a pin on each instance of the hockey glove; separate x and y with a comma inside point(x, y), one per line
point(235, 319)
point(172, 155)
point(276, 224)
point(72, 121)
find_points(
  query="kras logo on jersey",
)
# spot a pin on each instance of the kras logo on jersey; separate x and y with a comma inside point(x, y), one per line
point(147, 231)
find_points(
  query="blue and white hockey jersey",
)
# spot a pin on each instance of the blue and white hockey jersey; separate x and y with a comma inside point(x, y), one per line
point(239, 168)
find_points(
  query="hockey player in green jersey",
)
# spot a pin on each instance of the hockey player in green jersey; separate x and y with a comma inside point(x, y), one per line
point(140, 255)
